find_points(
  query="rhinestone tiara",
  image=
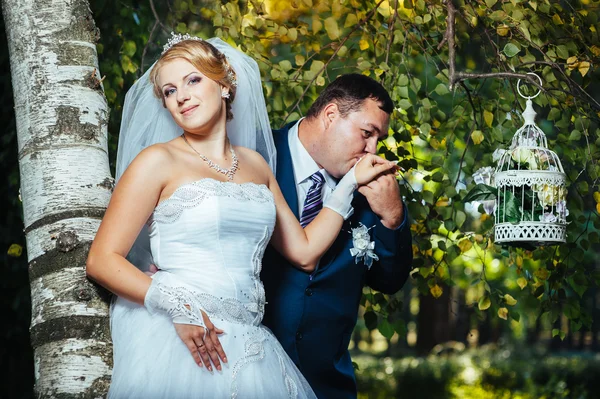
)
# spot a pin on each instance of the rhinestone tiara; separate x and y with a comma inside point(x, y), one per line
point(176, 38)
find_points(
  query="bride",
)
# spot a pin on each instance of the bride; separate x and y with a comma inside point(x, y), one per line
point(191, 180)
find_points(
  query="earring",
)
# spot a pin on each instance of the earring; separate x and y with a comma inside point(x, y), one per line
point(225, 95)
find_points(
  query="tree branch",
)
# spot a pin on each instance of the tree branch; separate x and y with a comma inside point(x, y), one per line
point(457, 77)
point(167, 31)
point(156, 23)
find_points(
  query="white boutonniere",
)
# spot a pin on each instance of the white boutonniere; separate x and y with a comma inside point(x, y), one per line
point(363, 246)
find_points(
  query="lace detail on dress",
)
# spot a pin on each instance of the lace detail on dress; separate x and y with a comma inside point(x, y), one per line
point(191, 194)
point(257, 295)
point(254, 351)
point(229, 309)
point(290, 385)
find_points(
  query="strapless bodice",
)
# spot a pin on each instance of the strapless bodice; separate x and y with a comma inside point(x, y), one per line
point(210, 236)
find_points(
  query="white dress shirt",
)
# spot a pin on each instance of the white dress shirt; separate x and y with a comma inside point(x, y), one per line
point(304, 168)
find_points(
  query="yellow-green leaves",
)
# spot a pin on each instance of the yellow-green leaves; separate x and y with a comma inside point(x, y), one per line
point(503, 313)
point(129, 48)
point(484, 303)
point(351, 20)
point(477, 136)
point(509, 300)
point(332, 29)
point(557, 19)
point(15, 250)
point(502, 30)
point(522, 282)
point(465, 245)
point(436, 291)
point(488, 117)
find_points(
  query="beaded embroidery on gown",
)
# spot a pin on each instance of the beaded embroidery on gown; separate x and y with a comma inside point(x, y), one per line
point(209, 238)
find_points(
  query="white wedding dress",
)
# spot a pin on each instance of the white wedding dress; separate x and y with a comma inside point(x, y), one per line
point(208, 237)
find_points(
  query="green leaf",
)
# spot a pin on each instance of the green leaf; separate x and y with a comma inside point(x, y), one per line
point(441, 89)
point(129, 48)
point(481, 192)
point(370, 320)
point(579, 284)
point(575, 135)
point(400, 327)
point(437, 177)
point(515, 315)
point(508, 208)
point(562, 51)
point(511, 50)
point(554, 114)
point(286, 65)
point(460, 218)
point(404, 104)
point(316, 66)
point(386, 329)
point(490, 3)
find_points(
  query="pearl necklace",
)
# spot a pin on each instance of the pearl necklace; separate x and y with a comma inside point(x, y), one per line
point(227, 172)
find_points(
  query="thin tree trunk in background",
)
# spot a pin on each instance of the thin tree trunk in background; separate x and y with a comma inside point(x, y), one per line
point(61, 115)
point(433, 321)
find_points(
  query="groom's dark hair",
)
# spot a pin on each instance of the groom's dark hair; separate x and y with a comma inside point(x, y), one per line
point(349, 92)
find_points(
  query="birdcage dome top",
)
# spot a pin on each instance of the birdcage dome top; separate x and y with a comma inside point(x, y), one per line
point(528, 160)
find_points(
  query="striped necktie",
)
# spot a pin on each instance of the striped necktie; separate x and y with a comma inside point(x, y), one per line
point(314, 199)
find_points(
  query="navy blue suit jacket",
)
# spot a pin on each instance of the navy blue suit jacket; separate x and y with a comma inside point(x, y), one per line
point(314, 319)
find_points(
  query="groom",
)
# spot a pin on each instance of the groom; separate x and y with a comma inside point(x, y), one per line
point(313, 315)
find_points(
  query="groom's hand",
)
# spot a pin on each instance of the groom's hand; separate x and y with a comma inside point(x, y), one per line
point(383, 195)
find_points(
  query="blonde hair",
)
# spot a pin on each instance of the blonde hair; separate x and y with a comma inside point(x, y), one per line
point(205, 58)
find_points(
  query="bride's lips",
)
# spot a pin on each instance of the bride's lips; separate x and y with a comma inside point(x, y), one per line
point(188, 110)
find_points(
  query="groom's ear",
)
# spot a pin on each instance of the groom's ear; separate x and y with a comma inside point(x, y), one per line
point(329, 114)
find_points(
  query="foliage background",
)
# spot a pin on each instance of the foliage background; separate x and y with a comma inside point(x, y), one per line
point(484, 293)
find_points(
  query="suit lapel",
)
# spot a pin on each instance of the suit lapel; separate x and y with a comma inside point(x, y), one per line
point(285, 168)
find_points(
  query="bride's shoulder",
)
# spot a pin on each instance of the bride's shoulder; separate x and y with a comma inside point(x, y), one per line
point(156, 156)
point(251, 156)
point(253, 161)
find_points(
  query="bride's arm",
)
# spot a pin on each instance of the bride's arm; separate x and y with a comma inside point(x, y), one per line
point(304, 247)
point(131, 204)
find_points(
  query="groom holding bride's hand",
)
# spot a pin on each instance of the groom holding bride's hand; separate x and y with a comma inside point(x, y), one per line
point(313, 315)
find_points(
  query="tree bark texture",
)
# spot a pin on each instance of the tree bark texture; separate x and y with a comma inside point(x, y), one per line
point(62, 116)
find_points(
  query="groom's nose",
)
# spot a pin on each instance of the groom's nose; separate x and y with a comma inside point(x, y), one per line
point(371, 145)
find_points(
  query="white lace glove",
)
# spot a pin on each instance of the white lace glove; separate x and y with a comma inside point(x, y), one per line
point(177, 302)
point(340, 199)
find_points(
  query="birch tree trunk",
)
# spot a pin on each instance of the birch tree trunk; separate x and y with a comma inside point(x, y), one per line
point(61, 115)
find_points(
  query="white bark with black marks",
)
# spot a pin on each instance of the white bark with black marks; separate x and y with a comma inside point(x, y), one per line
point(62, 116)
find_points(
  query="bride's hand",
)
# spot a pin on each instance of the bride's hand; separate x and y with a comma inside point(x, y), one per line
point(204, 344)
point(370, 166)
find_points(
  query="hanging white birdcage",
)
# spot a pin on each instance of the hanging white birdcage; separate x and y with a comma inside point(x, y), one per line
point(531, 199)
